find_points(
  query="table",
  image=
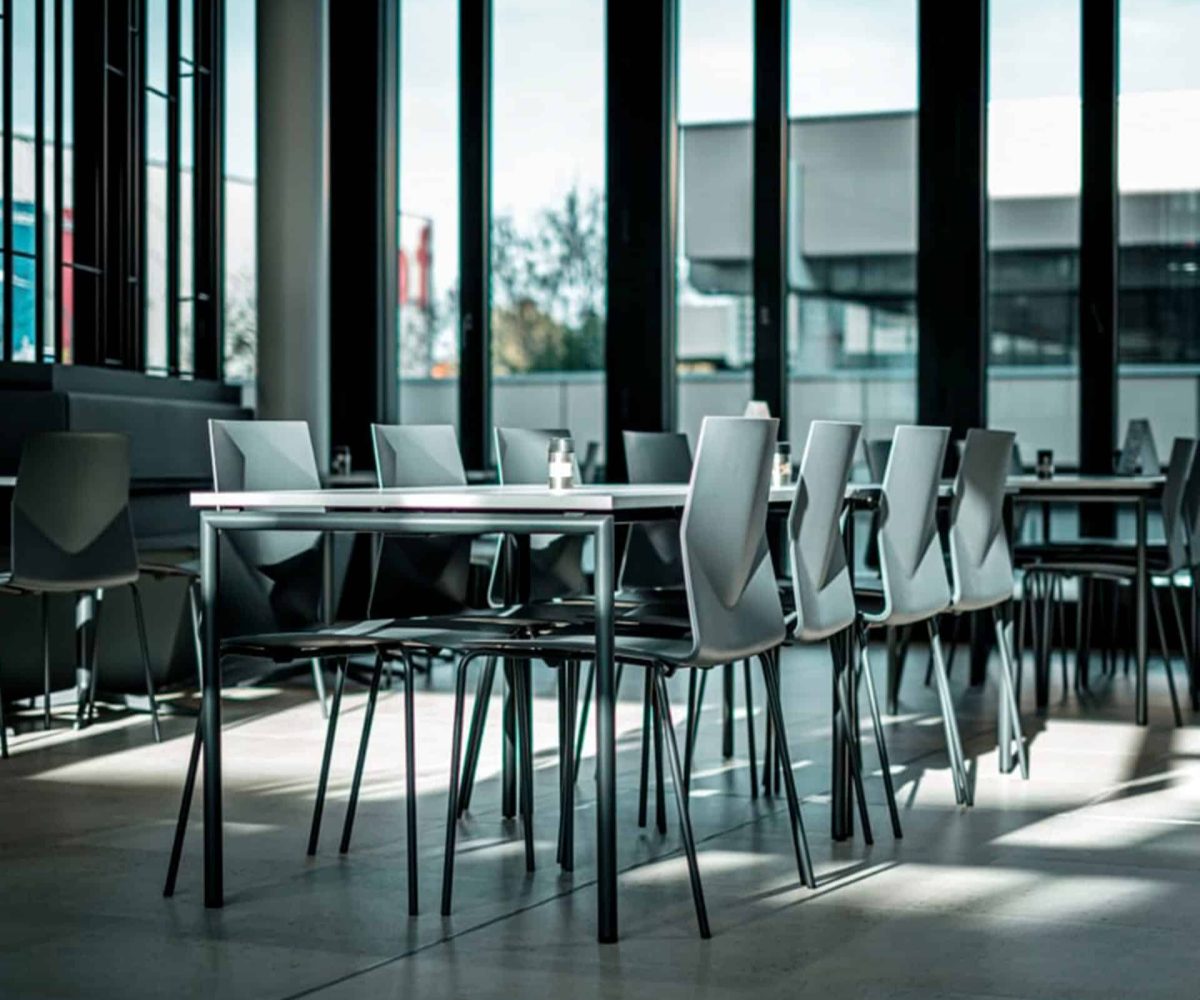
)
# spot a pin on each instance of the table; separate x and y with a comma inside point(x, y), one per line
point(1109, 489)
point(520, 510)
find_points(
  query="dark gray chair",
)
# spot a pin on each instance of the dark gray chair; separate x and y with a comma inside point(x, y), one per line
point(72, 533)
point(733, 610)
point(652, 558)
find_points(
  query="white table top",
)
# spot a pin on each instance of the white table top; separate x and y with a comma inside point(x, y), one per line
point(8, 482)
point(1082, 482)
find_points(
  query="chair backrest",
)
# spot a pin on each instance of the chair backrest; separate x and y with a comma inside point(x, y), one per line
point(911, 562)
point(733, 599)
point(270, 579)
point(413, 575)
point(414, 455)
point(1138, 454)
point(980, 560)
point(556, 561)
point(653, 559)
point(1175, 523)
point(877, 451)
point(1190, 514)
point(821, 579)
point(657, 456)
point(71, 525)
point(522, 455)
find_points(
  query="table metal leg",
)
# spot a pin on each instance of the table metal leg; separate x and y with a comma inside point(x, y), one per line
point(1143, 584)
point(606, 764)
point(214, 879)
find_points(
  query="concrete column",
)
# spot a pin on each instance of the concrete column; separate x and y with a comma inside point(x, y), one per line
point(293, 215)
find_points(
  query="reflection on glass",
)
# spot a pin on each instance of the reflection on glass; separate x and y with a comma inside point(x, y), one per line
point(714, 329)
point(427, 230)
point(1158, 161)
point(547, 227)
point(852, 194)
point(241, 170)
point(1034, 151)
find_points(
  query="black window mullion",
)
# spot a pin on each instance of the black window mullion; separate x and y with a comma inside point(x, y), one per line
point(173, 138)
point(59, 146)
point(7, 114)
point(206, 184)
point(39, 178)
point(140, 206)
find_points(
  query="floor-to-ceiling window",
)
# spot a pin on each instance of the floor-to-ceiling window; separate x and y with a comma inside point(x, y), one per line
point(547, 228)
point(427, 229)
point(852, 192)
point(241, 172)
point(1158, 304)
point(1034, 156)
point(714, 330)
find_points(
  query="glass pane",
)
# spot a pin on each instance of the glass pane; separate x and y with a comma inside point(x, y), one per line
point(548, 247)
point(241, 169)
point(1159, 234)
point(156, 234)
point(24, 207)
point(186, 206)
point(67, 277)
point(714, 332)
point(852, 207)
point(1033, 224)
point(427, 230)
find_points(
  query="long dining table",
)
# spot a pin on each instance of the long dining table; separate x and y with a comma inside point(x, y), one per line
point(590, 511)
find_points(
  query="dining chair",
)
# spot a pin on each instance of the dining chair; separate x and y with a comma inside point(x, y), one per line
point(72, 533)
point(823, 590)
point(981, 567)
point(1094, 561)
point(733, 609)
point(914, 586)
point(272, 595)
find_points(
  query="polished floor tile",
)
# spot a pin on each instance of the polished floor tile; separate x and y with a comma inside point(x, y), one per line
point(1083, 882)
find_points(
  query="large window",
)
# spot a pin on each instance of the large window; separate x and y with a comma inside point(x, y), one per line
point(1159, 243)
point(852, 191)
point(714, 330)
point(108, 151)
point(427, 230)
point(241, 172)
point(548, 236)
point(1034, 157)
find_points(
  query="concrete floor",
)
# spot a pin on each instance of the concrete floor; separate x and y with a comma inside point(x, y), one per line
point(1083, 882)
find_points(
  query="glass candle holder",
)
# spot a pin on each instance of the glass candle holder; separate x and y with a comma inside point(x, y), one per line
point(781, 467)
point(561, 462)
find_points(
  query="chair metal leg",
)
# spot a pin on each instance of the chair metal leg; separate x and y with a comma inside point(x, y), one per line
point(460, 692)
point(194, 602)
point(314, 831)
point(140, 615)
point(660, 785)
point(688, 743)
point(1008, 695)
point(588, 685)
point(1061, 600)
point(949, 722)
point(1166, 653)
point(799, 837)
point(521, 674)
point(727, 711)
point(95, 656)
point(693, 727)
point(410, 780)
point(880, 741)
point(185, 807)
point(319, 686)
point(360, 762)
point(644, 780)
point(568, 798)
point(46, 660)
point(849, 737)
point(483, 700)
point(1184, 644)
point(751, 750)
point(662, 705)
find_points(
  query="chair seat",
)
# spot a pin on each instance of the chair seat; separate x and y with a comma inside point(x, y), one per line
point(1082, 550)
point(188, 570)
point(556, 648)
